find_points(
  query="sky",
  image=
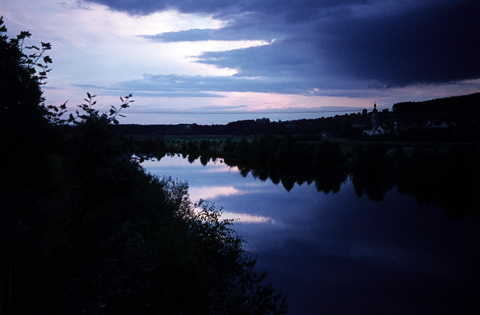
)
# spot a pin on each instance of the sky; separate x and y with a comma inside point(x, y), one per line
point(216, 61)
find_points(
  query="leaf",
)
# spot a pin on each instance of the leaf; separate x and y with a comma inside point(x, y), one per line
point(47, 59)
point(46, 46)
point(24, 34)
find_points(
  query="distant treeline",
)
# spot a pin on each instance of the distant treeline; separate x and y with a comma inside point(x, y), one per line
point(464, 111)
point(243, 127)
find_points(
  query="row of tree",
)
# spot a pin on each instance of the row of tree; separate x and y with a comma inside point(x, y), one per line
point(84, 229)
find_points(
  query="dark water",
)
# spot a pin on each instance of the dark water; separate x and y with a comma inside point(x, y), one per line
point(338, 253)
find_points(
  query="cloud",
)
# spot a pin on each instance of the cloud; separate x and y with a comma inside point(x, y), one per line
point(192, 35)
point(246, 218)
point(219, 108)
point(263, 81)
point(213, 192)
point(146, 89)
point(336, 44)
point(173, 85)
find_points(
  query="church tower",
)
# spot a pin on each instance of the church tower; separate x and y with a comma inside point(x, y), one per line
point(375, 121)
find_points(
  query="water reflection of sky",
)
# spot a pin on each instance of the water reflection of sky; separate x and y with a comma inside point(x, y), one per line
point(337, 253)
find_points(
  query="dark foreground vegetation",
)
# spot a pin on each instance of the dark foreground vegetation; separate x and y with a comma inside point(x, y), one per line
point(85, 230)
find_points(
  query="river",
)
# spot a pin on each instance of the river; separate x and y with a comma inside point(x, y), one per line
point(338, 253)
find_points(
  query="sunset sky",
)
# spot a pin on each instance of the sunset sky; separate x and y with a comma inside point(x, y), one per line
point(215, 61)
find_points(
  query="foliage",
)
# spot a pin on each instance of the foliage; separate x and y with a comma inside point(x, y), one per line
point(87, 230)
point(91, 116)
point(22, 112)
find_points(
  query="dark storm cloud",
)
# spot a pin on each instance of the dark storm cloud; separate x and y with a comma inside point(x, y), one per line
point(337, 44)
point(432, 44)
point(293, 10)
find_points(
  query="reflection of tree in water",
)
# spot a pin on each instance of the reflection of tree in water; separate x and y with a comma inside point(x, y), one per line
point(288, 180)
point(274, 177)
point(329, 181)
point(192, 157)
point(374, 185)
point(204, 159)
point(260, 173)
point(325, 180)
point(450, 189)
point(244, 171)
point(449, 181)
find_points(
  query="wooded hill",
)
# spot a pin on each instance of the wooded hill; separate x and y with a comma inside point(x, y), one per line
point(452, 107)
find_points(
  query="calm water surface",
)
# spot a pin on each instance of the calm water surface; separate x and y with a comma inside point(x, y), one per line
point(338, 253)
